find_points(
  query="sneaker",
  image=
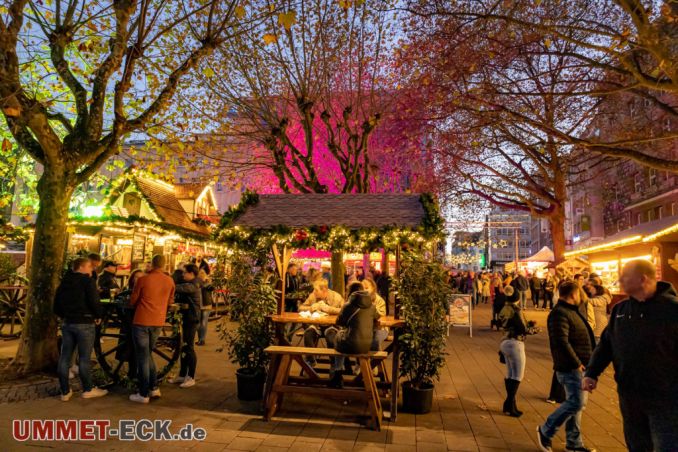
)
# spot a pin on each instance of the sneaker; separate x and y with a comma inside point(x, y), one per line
point(155, 393)
point(67, 397)
point(188, 382)
point(579, 449)
point(543, 442)
point(138, 398)
point(200, 343)
point(176, 380)
point(551, 401)
point(94, 393)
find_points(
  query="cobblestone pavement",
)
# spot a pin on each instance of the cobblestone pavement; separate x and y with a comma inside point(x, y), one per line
point(466, 414)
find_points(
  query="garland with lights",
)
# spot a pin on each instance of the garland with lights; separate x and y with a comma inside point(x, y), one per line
point(134, 220)
point(326, 237)
point(11, 233)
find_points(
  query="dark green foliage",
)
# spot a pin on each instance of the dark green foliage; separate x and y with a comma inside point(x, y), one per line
point(253, 301)
point(423, 294)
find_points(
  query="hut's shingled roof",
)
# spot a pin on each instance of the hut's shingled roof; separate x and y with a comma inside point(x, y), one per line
point(164, 201)
point(350, 210)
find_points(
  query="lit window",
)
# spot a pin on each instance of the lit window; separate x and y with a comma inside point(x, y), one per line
point(637, 183)
point(639, 218)
point(667, 123)
point(652, 177)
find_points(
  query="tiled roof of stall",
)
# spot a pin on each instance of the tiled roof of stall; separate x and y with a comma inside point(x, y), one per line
point(354, 210)
point(164, 201)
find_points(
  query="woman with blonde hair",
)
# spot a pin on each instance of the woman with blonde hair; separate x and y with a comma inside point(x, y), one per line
point(381, 334)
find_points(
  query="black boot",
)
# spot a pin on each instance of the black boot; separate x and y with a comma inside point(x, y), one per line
point(513, 391)
point(507, 403)
point(336, 380)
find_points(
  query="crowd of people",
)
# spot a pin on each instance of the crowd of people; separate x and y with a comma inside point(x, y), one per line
point(149, 292)
point(639, 337)
point(485, 287)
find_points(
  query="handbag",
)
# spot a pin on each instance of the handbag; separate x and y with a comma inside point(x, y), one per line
point(502, 358)
point(342, 330)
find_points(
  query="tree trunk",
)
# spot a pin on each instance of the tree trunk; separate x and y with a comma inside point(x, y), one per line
point(557, 225)
point(338, 272)
point(38, 346)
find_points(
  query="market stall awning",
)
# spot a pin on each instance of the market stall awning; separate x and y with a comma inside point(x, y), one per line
point(644, 232)
point(350, 210)
point(543, 255)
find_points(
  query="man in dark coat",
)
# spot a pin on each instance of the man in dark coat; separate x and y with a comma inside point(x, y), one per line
point(522, 285)
point(107, 281)
point(641, 342)
point(77, 304)
point(572, 341)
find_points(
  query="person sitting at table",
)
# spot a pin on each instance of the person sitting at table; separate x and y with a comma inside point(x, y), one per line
point(322, 299)
point(354, 330)
point(380, 334)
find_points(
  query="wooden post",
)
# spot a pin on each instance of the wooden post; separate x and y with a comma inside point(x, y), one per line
point(281, 264)
point(338, 272)
point(396, 310)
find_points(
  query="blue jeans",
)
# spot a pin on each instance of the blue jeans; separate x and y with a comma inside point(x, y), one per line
point(569, 412)
point(514, 353)
point(144, 338)
point(204, 321)
point(378, 337)
point(523, 298)
point(649, 425)
point(80, 335)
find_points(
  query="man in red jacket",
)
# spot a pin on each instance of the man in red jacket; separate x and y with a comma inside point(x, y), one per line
point(151, 296)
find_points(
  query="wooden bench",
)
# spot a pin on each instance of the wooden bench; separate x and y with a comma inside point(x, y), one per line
point(280, 381)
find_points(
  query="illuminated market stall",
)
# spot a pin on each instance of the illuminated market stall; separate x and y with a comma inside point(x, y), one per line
point(537, 263)
point(144, 216)
point(655, 241)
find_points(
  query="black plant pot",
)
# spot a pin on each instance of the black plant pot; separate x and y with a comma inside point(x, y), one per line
point(417, 400)
point(250, 385)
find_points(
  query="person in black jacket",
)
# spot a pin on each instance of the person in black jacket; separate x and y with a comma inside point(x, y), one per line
point(641, 341)
point(522, 285)
point(77, 303)
point(189, 294)
point(107, 281)
point(571, 339)
point(357, 319)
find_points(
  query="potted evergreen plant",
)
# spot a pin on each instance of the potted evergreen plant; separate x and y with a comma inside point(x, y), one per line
point(423, 293)
point(245, 343)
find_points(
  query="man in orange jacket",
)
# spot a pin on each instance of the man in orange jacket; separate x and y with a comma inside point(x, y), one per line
point(151, 296)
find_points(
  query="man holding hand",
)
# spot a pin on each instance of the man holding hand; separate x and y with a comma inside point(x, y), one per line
point(641, 342)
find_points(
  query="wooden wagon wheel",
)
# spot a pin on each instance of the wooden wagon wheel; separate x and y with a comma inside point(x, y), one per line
point(115, 351)
point(12, 310)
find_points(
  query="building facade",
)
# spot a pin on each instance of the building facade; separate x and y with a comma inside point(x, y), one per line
point(623, 210)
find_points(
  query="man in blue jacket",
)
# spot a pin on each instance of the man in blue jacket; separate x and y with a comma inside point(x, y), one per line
point(641, 342)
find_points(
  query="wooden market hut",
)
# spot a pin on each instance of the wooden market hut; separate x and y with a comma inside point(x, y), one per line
point(144, 215)
point(363, 222)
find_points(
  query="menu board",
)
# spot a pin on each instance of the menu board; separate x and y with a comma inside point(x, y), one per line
point(138, 245)
point(460, 311)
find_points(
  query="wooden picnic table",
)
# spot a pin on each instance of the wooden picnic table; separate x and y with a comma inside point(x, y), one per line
point(393, 349)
